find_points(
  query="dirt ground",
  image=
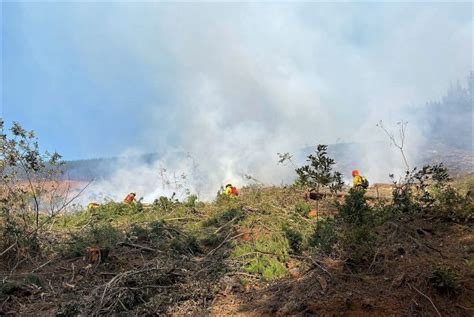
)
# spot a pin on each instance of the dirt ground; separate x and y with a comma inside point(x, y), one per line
point(138, 279)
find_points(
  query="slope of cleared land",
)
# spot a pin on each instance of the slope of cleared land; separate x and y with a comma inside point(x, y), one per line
point(251, 255)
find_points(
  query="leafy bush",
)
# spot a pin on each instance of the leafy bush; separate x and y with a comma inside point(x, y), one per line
point(191, 201)
point(357, 236)
point(451, 204)
point(358, 243)
point(103, 236)
point(412, 193)
point(302, 208)
point(355, 210)
point(445, 280)
point(24, 171)
point(163, 204)
point(295, 239)
point(325, 236)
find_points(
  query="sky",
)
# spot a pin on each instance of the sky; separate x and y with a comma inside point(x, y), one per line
point(227, 82)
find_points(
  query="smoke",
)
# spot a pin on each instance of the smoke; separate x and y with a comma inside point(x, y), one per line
point(236, 83)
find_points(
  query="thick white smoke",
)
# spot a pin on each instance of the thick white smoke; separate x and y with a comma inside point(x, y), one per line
point(251, 80)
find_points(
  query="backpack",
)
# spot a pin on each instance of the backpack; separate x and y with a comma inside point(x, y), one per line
point(365, 182)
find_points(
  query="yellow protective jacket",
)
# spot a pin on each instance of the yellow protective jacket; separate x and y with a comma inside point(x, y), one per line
point(358, 181)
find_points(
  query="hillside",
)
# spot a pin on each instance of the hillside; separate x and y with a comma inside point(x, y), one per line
point(261, 253)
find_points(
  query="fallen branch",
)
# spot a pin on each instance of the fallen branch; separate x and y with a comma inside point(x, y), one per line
point(226, 224)
point(8, 249)
point(140, 247)
point(427, 297)
point(227, 239)
point(42, 265)
point(315, 263)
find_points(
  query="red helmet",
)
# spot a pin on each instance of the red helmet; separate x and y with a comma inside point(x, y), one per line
point(355, 173)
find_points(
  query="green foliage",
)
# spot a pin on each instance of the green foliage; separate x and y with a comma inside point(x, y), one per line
point(412, 194)
point(445, 280)
point(428, 189)
point(223, 217)
point(24, 170)
point(191, 201)
point(357, 236)
point(265, 257)
point(449, 203)
point(302, 208)
point(102, 235)
point(355, 210)
point(33, 279)
point(295, 239)
point(318, 173)
point(138, 231)
point(358, 243)
point(324, 238)
point(269, 268)
point(163, 203)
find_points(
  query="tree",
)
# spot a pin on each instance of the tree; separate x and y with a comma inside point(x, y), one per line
point(318, 174)
point(31, 194)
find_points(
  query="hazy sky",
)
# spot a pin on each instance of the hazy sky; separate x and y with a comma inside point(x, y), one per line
point(98, 79)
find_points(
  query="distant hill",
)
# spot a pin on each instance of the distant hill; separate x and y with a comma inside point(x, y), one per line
point(347, 155)
point(101, 168)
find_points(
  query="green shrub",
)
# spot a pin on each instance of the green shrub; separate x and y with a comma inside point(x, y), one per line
point(224, 217)
point(302, 208)
point(191, 201)
point(445, 280)
point(266, 266)
point(325, 236)
point(103, 236)
point(9, 288)
point(355, 210)
point(265, 257)
point(295, 239)
point(163, 204)
point(139, 231)
point(357, 235)
point(451, 204)
point(358, 243)
point(412, 193)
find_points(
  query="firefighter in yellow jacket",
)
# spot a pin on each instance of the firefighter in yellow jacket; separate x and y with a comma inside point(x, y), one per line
point(231, 190)
point(359, 181)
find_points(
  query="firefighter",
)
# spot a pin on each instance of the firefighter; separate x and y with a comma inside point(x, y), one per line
point(231, 190)
point(359, 181)
point(130, 198)
point(92, 205)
